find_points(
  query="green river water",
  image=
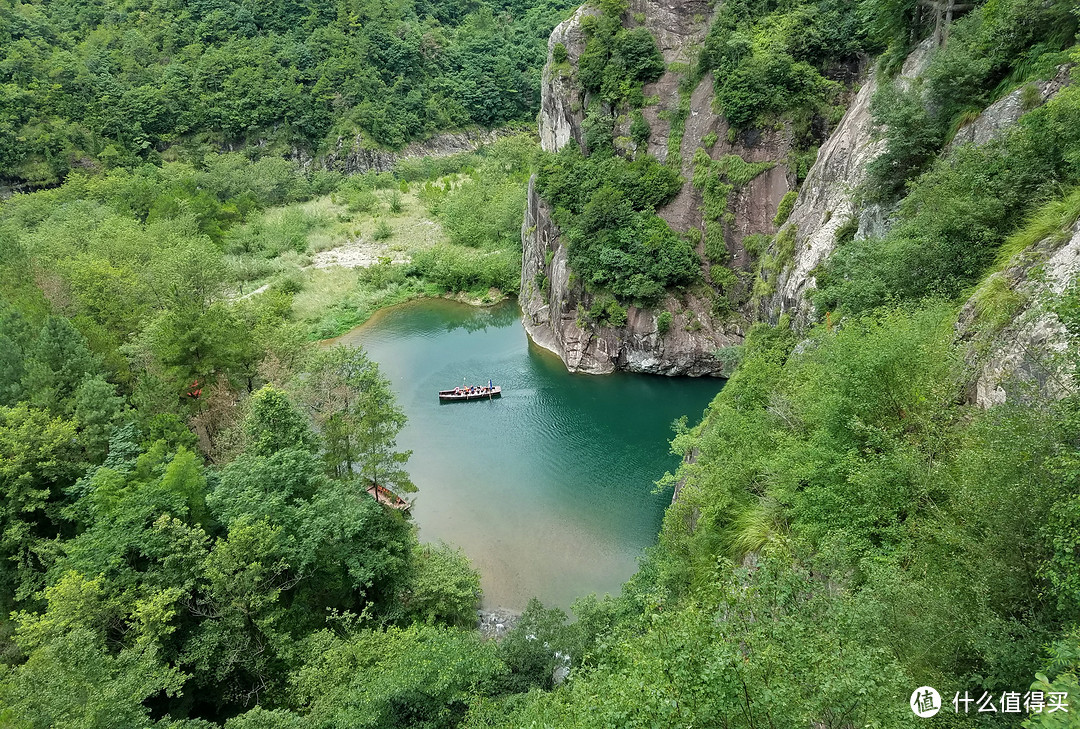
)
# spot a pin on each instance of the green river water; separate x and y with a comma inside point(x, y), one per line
point(548, 489)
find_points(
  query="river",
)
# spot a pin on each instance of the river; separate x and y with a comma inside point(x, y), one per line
point(549, 489)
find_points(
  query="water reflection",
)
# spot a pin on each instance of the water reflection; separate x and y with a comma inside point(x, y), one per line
point(548, 488)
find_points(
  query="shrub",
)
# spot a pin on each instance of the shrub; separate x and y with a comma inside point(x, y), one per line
point(912, 138)
point(615, 61)
point(640, 131)
point(451, 268)
point(663, 322)
point(958, 214)
point(846, 232)
point(606, 310)
point(787, 204)
point(444, 586)
point(615, 240)
point(382, 231)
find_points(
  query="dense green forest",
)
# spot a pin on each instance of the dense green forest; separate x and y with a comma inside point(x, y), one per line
point(185, 537)
point(106, 83)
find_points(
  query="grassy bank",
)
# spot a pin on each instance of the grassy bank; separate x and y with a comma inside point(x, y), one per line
point(429, 229)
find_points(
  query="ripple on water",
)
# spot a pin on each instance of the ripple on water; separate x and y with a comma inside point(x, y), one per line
point(547, 489)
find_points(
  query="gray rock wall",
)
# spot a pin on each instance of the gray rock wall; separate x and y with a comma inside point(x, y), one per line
point(1005, 112)
point(827, 197)
point(353, 158)
point(1021, 359)
point(551, 313)
point(552, 316)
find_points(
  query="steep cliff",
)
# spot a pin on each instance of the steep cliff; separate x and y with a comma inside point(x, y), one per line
point(1014, 336)
point(694, 328)
point(762, 229)
point(826, 201)
point(553, 320)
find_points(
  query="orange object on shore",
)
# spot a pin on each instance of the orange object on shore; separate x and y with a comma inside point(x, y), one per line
point(387, 497)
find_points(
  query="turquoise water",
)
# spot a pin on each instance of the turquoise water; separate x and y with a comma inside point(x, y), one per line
point(547, 489)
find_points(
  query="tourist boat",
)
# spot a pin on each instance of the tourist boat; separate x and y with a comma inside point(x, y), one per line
point(461, 393)
point(386, 497)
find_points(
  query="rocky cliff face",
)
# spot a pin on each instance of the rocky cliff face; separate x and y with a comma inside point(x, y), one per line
point(1017, 357)
point(351, 157)
point(552, 319)
point(1005, 112)
point(1014, 337)
point(826, 199)
point(552, 301)
point(825, 204)
point(690, 344)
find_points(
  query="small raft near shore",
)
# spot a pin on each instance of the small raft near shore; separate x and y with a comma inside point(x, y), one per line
point(463, 393)
point(386, 497)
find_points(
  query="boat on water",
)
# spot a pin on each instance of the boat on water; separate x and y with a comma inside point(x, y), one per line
point(386, 497)
point(487, 392)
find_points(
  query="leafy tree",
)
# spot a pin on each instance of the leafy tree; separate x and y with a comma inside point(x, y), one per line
point(57, 365)
point(444, 586)
point(540, 643)
point(274, 424)
point(97, 409)
point(38, 462)
point(378, 421)
point(73, 680)
point(355, 408)
point(236, 649)
point(15, 339)
point(331, 390)
point(417, 676)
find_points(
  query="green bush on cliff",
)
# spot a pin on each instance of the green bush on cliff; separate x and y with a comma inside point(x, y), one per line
point(616, 61)
point(640, 131)
point(990, 51)
point(605, 310)
point(606, 206)
point(787, 204)
point(768, 61)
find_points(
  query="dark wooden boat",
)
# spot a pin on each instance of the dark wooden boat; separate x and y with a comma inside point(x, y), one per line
point(452, 396)
point(386, 497)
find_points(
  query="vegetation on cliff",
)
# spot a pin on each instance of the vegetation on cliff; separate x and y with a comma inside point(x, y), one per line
point(772, 60)
point(959, 213)
point(606, 207)
point(185, 537)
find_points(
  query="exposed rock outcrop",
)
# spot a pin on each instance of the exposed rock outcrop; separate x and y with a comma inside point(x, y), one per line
point(351, 157)
point(553, 316)
point(826, 199)
point(497, 623)
point(1006, 111)
point(552, 301)
point(825, 203)
point(562, 104)
point(1016, 358)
